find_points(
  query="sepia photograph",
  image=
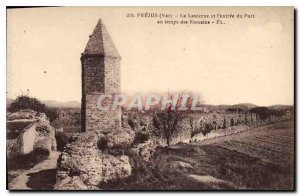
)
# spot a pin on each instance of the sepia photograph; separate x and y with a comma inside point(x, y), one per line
point(150, 99)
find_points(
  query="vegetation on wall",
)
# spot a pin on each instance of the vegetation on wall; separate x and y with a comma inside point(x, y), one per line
point(23, 102)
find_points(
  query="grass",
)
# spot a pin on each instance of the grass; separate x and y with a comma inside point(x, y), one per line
point(245, 161)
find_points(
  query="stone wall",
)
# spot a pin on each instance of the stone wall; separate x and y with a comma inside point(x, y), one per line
point(23, 142)
point(93, 158)
point(92, 74)
point(29, 139)
point(204, 123)
point(96, 120)
point(100, 75)
point(112, 75)
point(37, 137)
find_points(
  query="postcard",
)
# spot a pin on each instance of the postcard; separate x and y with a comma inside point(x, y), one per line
point(150, 98)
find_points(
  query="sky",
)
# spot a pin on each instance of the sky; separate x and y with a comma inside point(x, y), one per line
point(247, 60)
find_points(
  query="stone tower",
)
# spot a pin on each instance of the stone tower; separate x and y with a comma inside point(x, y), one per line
point(100, 75)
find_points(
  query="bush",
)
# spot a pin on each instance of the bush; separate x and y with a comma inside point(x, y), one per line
point(24, 102)
point(262, 112)
point(141, 137)
point(232, 122)
point(103, 144)
point(224, 124)
point(131, 123)
point(43, 130)
point(208, 128)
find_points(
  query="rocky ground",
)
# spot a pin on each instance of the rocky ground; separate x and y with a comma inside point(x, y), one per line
point(93, 158)
point(260, 158)
point(40, 177)
point(24, 168)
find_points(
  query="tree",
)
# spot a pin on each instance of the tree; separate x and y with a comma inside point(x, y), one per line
point(231, 122)
point(215, 125)
point(235, 110)
point(207, 128)
point(246, 119)
point(23, 102)
point(167, 121)
point(224, 124)
point(194, 126)
point(262, 112)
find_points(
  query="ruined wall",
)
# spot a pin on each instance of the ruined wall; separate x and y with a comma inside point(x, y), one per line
point(208, 124)
point(38, 136)
point(28, 140)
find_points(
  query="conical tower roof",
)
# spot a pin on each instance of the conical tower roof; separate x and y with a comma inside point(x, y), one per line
point(100, 43)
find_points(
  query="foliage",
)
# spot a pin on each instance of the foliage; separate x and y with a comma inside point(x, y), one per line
point(231, 122)
point(167, 121)
point(234, 110)
point(141, 137)
point(208, 128)
point(194, 126)
point(43, 130)
point(103, 144)
point(264, 112)
point(224, 124)
point(25, 102)
point(131, 123)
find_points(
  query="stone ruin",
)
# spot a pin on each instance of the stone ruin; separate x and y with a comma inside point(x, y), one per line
point(29, 132)
point(95, 156)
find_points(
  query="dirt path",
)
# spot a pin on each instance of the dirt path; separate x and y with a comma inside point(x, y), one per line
point(40, 177)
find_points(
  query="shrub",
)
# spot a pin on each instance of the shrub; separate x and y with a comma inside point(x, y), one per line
point(231, 122)
point(224, 124)
point(43, 130)
point(262, 112)
point(102, 144)
point(208, 128)
point(141, 137)
point(131, 123)
point(24, 102)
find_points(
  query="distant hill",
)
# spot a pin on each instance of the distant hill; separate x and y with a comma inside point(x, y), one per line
point(241, 106)
point(68, 104)
point(51, 103)
point(76, 104)
point(244, 106)
point(280, 107)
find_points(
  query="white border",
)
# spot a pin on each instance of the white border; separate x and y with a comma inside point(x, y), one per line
point(4, 3)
